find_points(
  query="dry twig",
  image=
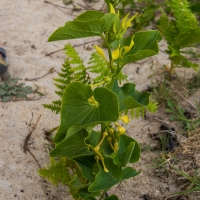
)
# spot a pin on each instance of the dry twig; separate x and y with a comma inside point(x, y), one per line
point(34, 79)
point(26, 147)
point(49, 54)
point(182, 95)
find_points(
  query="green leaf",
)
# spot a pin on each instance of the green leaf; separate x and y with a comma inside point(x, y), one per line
point(78, 29)
point(87, 195)
point(94, 138)
point(190, 37)
point(113, 197)
point(110, 20)
point(103, 180)
point(132, 155)
point(196, 8)
point(77, 111)
point(72, 130)
point(181, 61)
point(127, 154)
point(77, 183)
point(86, 164)
point(128, 96)
point(73, 146)
point(145, 45)
point(89, 15)
point(128, 172)
point(88, 24)
point(98, 65)
point(114, 170)
point(56, 172)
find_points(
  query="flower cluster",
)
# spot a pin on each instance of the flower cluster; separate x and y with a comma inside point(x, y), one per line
point(120, 52)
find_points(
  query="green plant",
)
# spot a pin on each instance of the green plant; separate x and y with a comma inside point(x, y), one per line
point(180, 31)
point(11, 90)
point(178, 113)
point(193, 84)
point(177, 21)
point(92, 150)
point(193, 181)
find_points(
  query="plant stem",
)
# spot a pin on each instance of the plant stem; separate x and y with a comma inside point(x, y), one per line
point(102, 127)
point(103, 194)
point(109, 53)
point(97, 84)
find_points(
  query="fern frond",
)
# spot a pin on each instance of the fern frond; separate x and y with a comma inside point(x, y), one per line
point(140, 111)
point(56, 172)
point(59, 93)
point(73, 69)
point(54, 107)
point(98, 66)
point(59, 86)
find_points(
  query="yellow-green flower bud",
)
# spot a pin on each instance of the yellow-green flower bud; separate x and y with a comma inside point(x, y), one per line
point(111, 131)
point(97, 148)
point(112, 10)
point(116, 53)
point(124, 20)
point(116, 145)
point(125, 119)
point(109, 139)
point(121, 129)
point(96, 158)
point(128, 48)
point(105, 134)
point(107, 79)
point(128, 23)
point(100, 52)
point(114, 68)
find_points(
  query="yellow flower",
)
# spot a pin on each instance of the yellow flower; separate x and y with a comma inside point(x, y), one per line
point(128, 48)
point(100, 52)
point(112, 10)
point(116, 53)
point(128, 23)
point(124, 20)
point(125, 119)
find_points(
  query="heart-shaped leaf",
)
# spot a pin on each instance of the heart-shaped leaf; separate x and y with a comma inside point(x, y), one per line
point(77, 110)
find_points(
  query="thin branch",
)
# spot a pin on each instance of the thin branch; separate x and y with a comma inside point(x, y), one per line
point(59, 7)
point(26, 147)
point(56, 5)
point(25, 99)
point(160, 120)
point(49, 54)
point(52, 70)
point(182, 96)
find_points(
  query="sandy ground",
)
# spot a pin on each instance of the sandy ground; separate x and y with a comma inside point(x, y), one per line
point(25, 28)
